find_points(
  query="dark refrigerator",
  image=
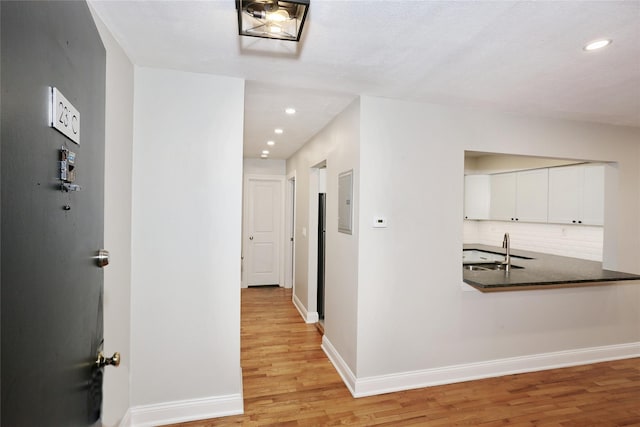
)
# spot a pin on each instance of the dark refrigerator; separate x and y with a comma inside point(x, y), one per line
point(321, 251)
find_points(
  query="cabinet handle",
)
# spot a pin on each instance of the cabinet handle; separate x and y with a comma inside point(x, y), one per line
point(579, 222)
point(574, 221)
point(517, 219)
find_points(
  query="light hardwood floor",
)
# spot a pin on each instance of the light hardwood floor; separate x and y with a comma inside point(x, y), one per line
point(288, 381)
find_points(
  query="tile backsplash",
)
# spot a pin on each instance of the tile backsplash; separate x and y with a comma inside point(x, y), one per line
point(567, 240)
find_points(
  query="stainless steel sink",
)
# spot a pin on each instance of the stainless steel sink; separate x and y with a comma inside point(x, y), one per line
point(474, 267)
point(479, 256)
point(487, 266)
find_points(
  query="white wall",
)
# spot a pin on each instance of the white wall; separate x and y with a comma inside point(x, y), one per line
point(117, 225)
point(341, 259)
point(322, 180)
point(187, 186)
point(264, 166)
point(412, 314)
point(337, 144)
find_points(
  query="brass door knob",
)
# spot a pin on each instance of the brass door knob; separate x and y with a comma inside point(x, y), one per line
point(104, 361)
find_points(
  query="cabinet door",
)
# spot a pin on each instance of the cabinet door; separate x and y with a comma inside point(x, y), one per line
point(565, 188)
point(503, 197)
point(592, 206)
point(476, 196)
point(532, 189)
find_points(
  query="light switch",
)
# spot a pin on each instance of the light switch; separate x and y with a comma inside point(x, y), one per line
point(379, 222)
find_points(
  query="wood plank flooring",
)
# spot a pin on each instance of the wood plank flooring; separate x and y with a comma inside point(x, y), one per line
point(288, 381)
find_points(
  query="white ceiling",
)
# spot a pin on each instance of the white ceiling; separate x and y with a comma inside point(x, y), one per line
point(518, 56)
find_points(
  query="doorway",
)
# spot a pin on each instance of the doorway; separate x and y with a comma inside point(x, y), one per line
point(290, 225)
point(319, 195)
point(322, 218)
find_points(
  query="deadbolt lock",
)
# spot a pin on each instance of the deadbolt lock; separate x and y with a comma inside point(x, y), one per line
point(103, 361)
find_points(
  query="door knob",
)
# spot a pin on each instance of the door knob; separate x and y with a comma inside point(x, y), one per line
point(103, 361)
point(102, 258)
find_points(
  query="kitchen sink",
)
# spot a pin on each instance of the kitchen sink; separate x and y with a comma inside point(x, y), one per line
point(480, 256)
point(487, 266)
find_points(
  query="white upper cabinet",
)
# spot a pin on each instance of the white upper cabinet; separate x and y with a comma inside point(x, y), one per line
point(520, 196)
point(565, 185)
point(576, 195)
point(532, 191)
point(503, 197)
point(476, 196)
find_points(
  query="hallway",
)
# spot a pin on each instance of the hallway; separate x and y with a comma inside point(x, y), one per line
point(288, 381)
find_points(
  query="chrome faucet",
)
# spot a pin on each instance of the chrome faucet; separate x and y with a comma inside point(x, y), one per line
point(506, 244)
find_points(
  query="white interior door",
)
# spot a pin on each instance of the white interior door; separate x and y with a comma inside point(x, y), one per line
point(262, 235)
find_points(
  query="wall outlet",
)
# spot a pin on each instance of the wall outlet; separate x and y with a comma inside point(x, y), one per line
point(379, 222)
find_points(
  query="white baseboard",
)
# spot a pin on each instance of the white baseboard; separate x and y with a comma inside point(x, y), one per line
point(308, 316)
point(369, 386)
point(185, 410)
point(341, 366)
point(126, 420)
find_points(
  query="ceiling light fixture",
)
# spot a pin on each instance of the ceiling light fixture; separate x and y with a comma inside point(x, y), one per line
point(278, 131)
point(290, 111)
point(271, 143)
point(265, 152)
point(272, 19)
point(263, 156)
point(597, 44)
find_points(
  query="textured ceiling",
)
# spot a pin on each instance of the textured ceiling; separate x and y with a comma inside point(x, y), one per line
point(516, 56)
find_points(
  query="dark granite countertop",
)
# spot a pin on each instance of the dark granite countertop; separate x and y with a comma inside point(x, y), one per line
point(540, 271)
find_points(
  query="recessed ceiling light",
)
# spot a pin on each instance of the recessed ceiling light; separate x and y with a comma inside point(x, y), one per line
point(290, 111)
point(278, 131)
point(263, 156)
point(271, 143)
point(265, 152)
point(597, 44)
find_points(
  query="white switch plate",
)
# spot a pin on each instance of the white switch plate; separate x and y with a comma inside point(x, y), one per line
point(379, 222)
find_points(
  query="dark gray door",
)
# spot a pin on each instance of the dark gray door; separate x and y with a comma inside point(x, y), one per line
point(51, 286)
